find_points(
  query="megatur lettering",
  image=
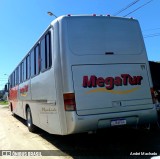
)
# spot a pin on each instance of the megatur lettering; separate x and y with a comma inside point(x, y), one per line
point(110, 82)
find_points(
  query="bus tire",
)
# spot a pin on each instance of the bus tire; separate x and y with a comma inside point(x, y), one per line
point(30, 125)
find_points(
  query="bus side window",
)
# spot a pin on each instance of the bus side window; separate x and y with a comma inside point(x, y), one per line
point(17, 76)
point(28, 67)
point(24, 67)
point(13, 78)
point(46, 59)
point(10, 81)
point(43, 62)
point(48, 50)
point(37, 60)
point(21, 72)
point(32, 63)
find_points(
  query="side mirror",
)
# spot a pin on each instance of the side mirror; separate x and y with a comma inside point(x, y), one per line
point(6, 88)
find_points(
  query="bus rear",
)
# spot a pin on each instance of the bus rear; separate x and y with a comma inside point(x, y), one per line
point(105, 73)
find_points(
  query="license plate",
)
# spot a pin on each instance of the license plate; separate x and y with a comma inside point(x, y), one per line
point(118, 122)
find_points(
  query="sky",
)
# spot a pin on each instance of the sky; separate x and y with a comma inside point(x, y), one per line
point(22, 22)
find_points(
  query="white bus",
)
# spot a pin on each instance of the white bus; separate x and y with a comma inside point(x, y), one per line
point(84, 73)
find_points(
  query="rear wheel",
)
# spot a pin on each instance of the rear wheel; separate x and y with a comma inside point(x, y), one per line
point(31, 126)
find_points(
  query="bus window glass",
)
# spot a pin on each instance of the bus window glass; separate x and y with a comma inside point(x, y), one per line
point(28, 66)
point(32, 63)
point(17, 75)
point(48, 51)
point(9, 82)
point(43, 58)
point(22, 72)
point(25, 73)
point(19, 72)
point(37, 60)
point(13, 78)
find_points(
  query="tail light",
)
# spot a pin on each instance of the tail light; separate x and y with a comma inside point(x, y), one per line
point(69, 102)
point(154, 99)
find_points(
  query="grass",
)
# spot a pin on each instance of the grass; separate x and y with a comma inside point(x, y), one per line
point(3, 102)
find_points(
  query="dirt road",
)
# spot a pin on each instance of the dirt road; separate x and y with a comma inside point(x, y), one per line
point(111, 143)
point(14, 135)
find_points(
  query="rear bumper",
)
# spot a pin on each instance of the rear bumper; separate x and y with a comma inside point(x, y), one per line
point(78, 124)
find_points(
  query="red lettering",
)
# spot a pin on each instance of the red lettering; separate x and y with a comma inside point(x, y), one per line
point(100, 82)
point(139, 79)
point(125, 77)
point(89, 83)
point(118, 81)
point(24, 89)
point(132, 80)
point(109, 81)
